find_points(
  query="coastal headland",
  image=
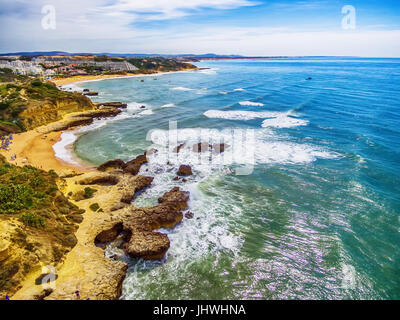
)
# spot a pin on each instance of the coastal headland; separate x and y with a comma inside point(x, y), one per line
point(96, 207)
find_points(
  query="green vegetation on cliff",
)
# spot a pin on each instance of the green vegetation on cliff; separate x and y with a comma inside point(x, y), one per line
point(37, 222)
point(159, 64)
point(27, 103)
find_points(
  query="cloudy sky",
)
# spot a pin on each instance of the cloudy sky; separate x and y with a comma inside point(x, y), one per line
point(246, 27)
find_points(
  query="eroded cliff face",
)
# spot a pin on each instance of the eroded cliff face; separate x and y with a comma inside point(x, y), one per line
point(37, 224)
point(41, 113)
point(25, 105)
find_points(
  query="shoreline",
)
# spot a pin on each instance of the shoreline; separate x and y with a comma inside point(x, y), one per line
point(90, 78)
point(86, 267)
point(35, 148)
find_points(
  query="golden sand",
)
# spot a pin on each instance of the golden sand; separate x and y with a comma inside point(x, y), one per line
point(70, 80)
point(36, 149)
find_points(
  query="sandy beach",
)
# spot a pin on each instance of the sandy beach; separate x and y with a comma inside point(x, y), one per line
point(75, 79)
point(71, 80)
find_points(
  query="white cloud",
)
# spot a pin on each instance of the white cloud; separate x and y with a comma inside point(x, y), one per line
point(97, 26)
point(281, 41)
point(169, 9)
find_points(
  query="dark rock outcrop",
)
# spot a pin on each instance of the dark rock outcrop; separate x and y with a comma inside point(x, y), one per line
point(185, 170)
point(112, 164)
point(201, 147)
point(147, 245)
point(189, 215)
point(105, 180)
point(141, 183)
point(91, 93)
point(136, 226)
point(109, 235)
point(119, 105)
point(144, 243)
point(178, 148)
point(133, 166)
point(219, 147)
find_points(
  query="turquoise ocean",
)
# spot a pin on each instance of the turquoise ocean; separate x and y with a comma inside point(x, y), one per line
point(318, 214)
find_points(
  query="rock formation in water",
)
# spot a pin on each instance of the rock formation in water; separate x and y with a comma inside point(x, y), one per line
point(185, 170)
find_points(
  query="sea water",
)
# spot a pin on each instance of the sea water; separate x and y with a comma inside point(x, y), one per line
point(316, 217)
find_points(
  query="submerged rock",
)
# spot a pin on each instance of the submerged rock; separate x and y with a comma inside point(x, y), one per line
point(189, 215)
point(178, 148)
point(185, 170)
point(219, 147)
point(201, 147)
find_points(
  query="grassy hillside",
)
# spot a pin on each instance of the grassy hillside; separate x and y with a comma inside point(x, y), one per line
point(26, 102)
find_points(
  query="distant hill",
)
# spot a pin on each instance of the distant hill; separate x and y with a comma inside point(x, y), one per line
point(63, 53)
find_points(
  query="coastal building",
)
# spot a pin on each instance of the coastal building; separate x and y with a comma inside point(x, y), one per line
point(22, 67)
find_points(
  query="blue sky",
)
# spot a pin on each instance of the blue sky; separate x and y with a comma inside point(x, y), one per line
point(247, 27)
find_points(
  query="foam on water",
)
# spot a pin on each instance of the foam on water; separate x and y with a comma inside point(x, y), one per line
point(284, 121)
point(210, 71)
point(208, 233)
point(239, 89)
point(251, 103)
point(181, 89)
point(147, 112)
point(240, 115)
point(276, 119)
point(168, 105)
point(61, 148)
point(259, 146)
point(71, 87)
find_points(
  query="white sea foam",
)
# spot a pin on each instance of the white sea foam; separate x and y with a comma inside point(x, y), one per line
point(239, 114)
point(284, 121)
point(135, 106)
point(62, 148)
point(208, 233)
point(147, 112)
point(202, 91)
point(250, 103)
point(275, 119)
point(211, 71)
point(239, 89)
point(223, 92)
point(181, 89)
point(168, 105)
point(261, 148)
point(72, 87)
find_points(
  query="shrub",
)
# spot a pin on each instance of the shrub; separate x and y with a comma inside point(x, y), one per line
point(88, 192)
point(32, 220)
point(36, 83)
point(37, 181)
point(94, 207)
point(14, 197)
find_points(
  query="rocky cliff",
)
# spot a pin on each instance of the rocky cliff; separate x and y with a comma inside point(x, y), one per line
point(37, 224)
point(32, 103)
